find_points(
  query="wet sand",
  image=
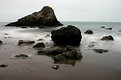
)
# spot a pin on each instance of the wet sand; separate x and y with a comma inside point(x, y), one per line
point(93, 66)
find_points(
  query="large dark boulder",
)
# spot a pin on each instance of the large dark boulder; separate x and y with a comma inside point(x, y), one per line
point(69, 35)
point(45, 17)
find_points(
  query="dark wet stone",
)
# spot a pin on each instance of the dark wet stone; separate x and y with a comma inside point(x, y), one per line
point(3, 65)
point(45, 17)
point(107, 38)
point(70, 48)
point(1, 42)
point(88, 32)
point(22, 56)
point(100, 50)
point(39, 45)
point(23, 27)
point(119, 30)
point(91, 44)
point(102, 26)
point(69, 35)
point(51, 51)
point(108, 28)
point(40, 39)
point(6, 34)
point(47, 35)
point(55, 67)
point(73, 55)
point(32, 26)
point(60, 58)
point(42, 26)
point(20, 42)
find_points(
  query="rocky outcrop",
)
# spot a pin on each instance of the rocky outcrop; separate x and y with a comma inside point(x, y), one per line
point(107, 38)
point(69, 35)
point(45, 17)
point(88, 32)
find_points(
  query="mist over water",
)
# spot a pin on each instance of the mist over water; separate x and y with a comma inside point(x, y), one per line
point(92, 66)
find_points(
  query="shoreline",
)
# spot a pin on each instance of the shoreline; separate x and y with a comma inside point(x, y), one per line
point(94, 65)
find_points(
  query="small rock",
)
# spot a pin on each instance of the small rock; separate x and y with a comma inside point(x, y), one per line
point(39, 45)
point(55, 67)
point(42, 26)
point(71, 55)
point(70, 48)
point(22, 56)
point(119, 30)
point(60, 58)
point(9, 37)
point(6, 34)
point(23, 27)
point(40, 39)
point(20, 42)
point(32, 26)
point(53, 51)
point(47, 35)
point(107, 38)
point(100, 50)
point(5, 37)
point(108, 28)
point(3, 65)
point(102, 26)
point(1, 42)
point(89, 32)
point(91, 45)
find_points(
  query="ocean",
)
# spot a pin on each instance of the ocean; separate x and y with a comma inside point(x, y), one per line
point(93, 66)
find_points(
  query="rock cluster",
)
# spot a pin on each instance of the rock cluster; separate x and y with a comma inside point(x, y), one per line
point(61, 54)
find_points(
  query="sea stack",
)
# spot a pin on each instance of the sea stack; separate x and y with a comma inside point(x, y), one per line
point(45, 17)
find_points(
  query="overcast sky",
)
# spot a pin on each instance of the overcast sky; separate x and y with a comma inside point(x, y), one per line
point(65, 10)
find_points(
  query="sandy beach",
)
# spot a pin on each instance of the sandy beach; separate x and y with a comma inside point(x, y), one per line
point(93, 66)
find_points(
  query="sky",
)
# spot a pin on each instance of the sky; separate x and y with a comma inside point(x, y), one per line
point(65, 10)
